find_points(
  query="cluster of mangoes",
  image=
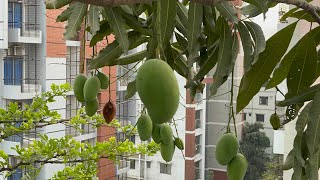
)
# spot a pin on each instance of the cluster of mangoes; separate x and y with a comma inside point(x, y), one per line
point(86, 90)
point(158, 89)
point(227, 155)
point(275, 121)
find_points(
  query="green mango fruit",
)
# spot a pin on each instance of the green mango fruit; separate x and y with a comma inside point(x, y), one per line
point(179, 143)
point(166, 133)
point(237, 168)
point(158, 89)
point(226, 148)
point(78, 86)
point(104, 80)
point(156, 133)
point(167, 150)
point(91, 89)
point(92, 107)
point(144, 126)
point(275, 121)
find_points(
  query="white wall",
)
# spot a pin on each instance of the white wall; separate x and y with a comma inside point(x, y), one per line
point(4, 24)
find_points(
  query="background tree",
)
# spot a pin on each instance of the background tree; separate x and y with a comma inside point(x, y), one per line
point(205, 31)
point(253, 146)
point(274, 171)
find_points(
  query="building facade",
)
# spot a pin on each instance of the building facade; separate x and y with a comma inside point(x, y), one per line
point(34, 55)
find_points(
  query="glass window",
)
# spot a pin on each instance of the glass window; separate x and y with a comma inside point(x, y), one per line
point(198, 144)
point(165, 168)
point(13, 68)
point(260, 117)
point(263, 100)
point(148, 164)
point(132, 164)
point(244, 116)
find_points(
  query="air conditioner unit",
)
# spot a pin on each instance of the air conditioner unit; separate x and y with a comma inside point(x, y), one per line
point(16, 51)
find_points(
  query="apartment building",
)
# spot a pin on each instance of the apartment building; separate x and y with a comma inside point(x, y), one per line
point(34, 55)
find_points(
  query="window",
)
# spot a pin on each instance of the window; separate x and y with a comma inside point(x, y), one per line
point(148, 164)
point(14, 15)
point(260, 117)
point(132, 164)
point(12, 71)
point(198, 118)
point(263, 100)
point(197, 169)
point(133, 139)
point(165, 168)
point(244, 116)
point(198, 144)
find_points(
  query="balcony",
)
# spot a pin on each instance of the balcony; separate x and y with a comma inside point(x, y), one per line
point(122, 167)
point(24, 33)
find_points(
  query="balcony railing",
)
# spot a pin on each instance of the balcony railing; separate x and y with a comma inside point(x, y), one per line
point(26, 29)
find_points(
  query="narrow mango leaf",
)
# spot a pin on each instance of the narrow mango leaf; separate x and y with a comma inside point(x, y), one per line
point(246, 45)
point(182, 13)
point(180, 27)
point(194, 31)
point(166, 14)
point(303, 96)
point(56, 4)
point(208, 64)
point(113, 51)
point(180, 63)
point(318, 67)
point(250, 11)
point(287, 14)
point(288, 163)
point(228, 11)
point(258, 37)
point(303, 68)
point(134, 23)
point(74, 21)
point(312, 166)
point(117, 24)
point(281, 72)
point(259, 72)
point(262, 5)
point(313, 128)
point(303, 15)
point(224, 57)
point(65, 14)
point(300, 126)
point(183, 43)
point(313, 136)
point(208, 19)
point(129, 59)
point(131, 90)
point(151, 47)
point(104, 31)
point(94, 19)
point(127, 9)
point(297, 170)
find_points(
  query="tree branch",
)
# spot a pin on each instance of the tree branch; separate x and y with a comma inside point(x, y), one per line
point(309, 8)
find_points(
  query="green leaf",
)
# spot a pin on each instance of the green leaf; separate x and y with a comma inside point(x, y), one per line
point(228, 11)
point(134, 23)
point(74, 21)
point(258, 37)
point(131, 90)
point(303, 68)
point(300, 126)
point(94, 19)
point(180, 63)
point(302, 14)
point(56, 4)
point(262, 5)
point(182, 13)
point(65, 14)
point(313, 128)
point(224, 57)
point(180, 27)
point(259, 72)
point(288, 163)
point(166, 14)
point(129, 59)
point(313, 135)
point(194, 30)
point(151, 47)
point(117, 24)
point(113, 51)
point(250, 11)
point(208, 19)
point(297, 170)
point(287, 14)
point(281, 72)
point(303, 96)
point(104, 31)
point(208, 64)
point(183, 43)
point(246, 45)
